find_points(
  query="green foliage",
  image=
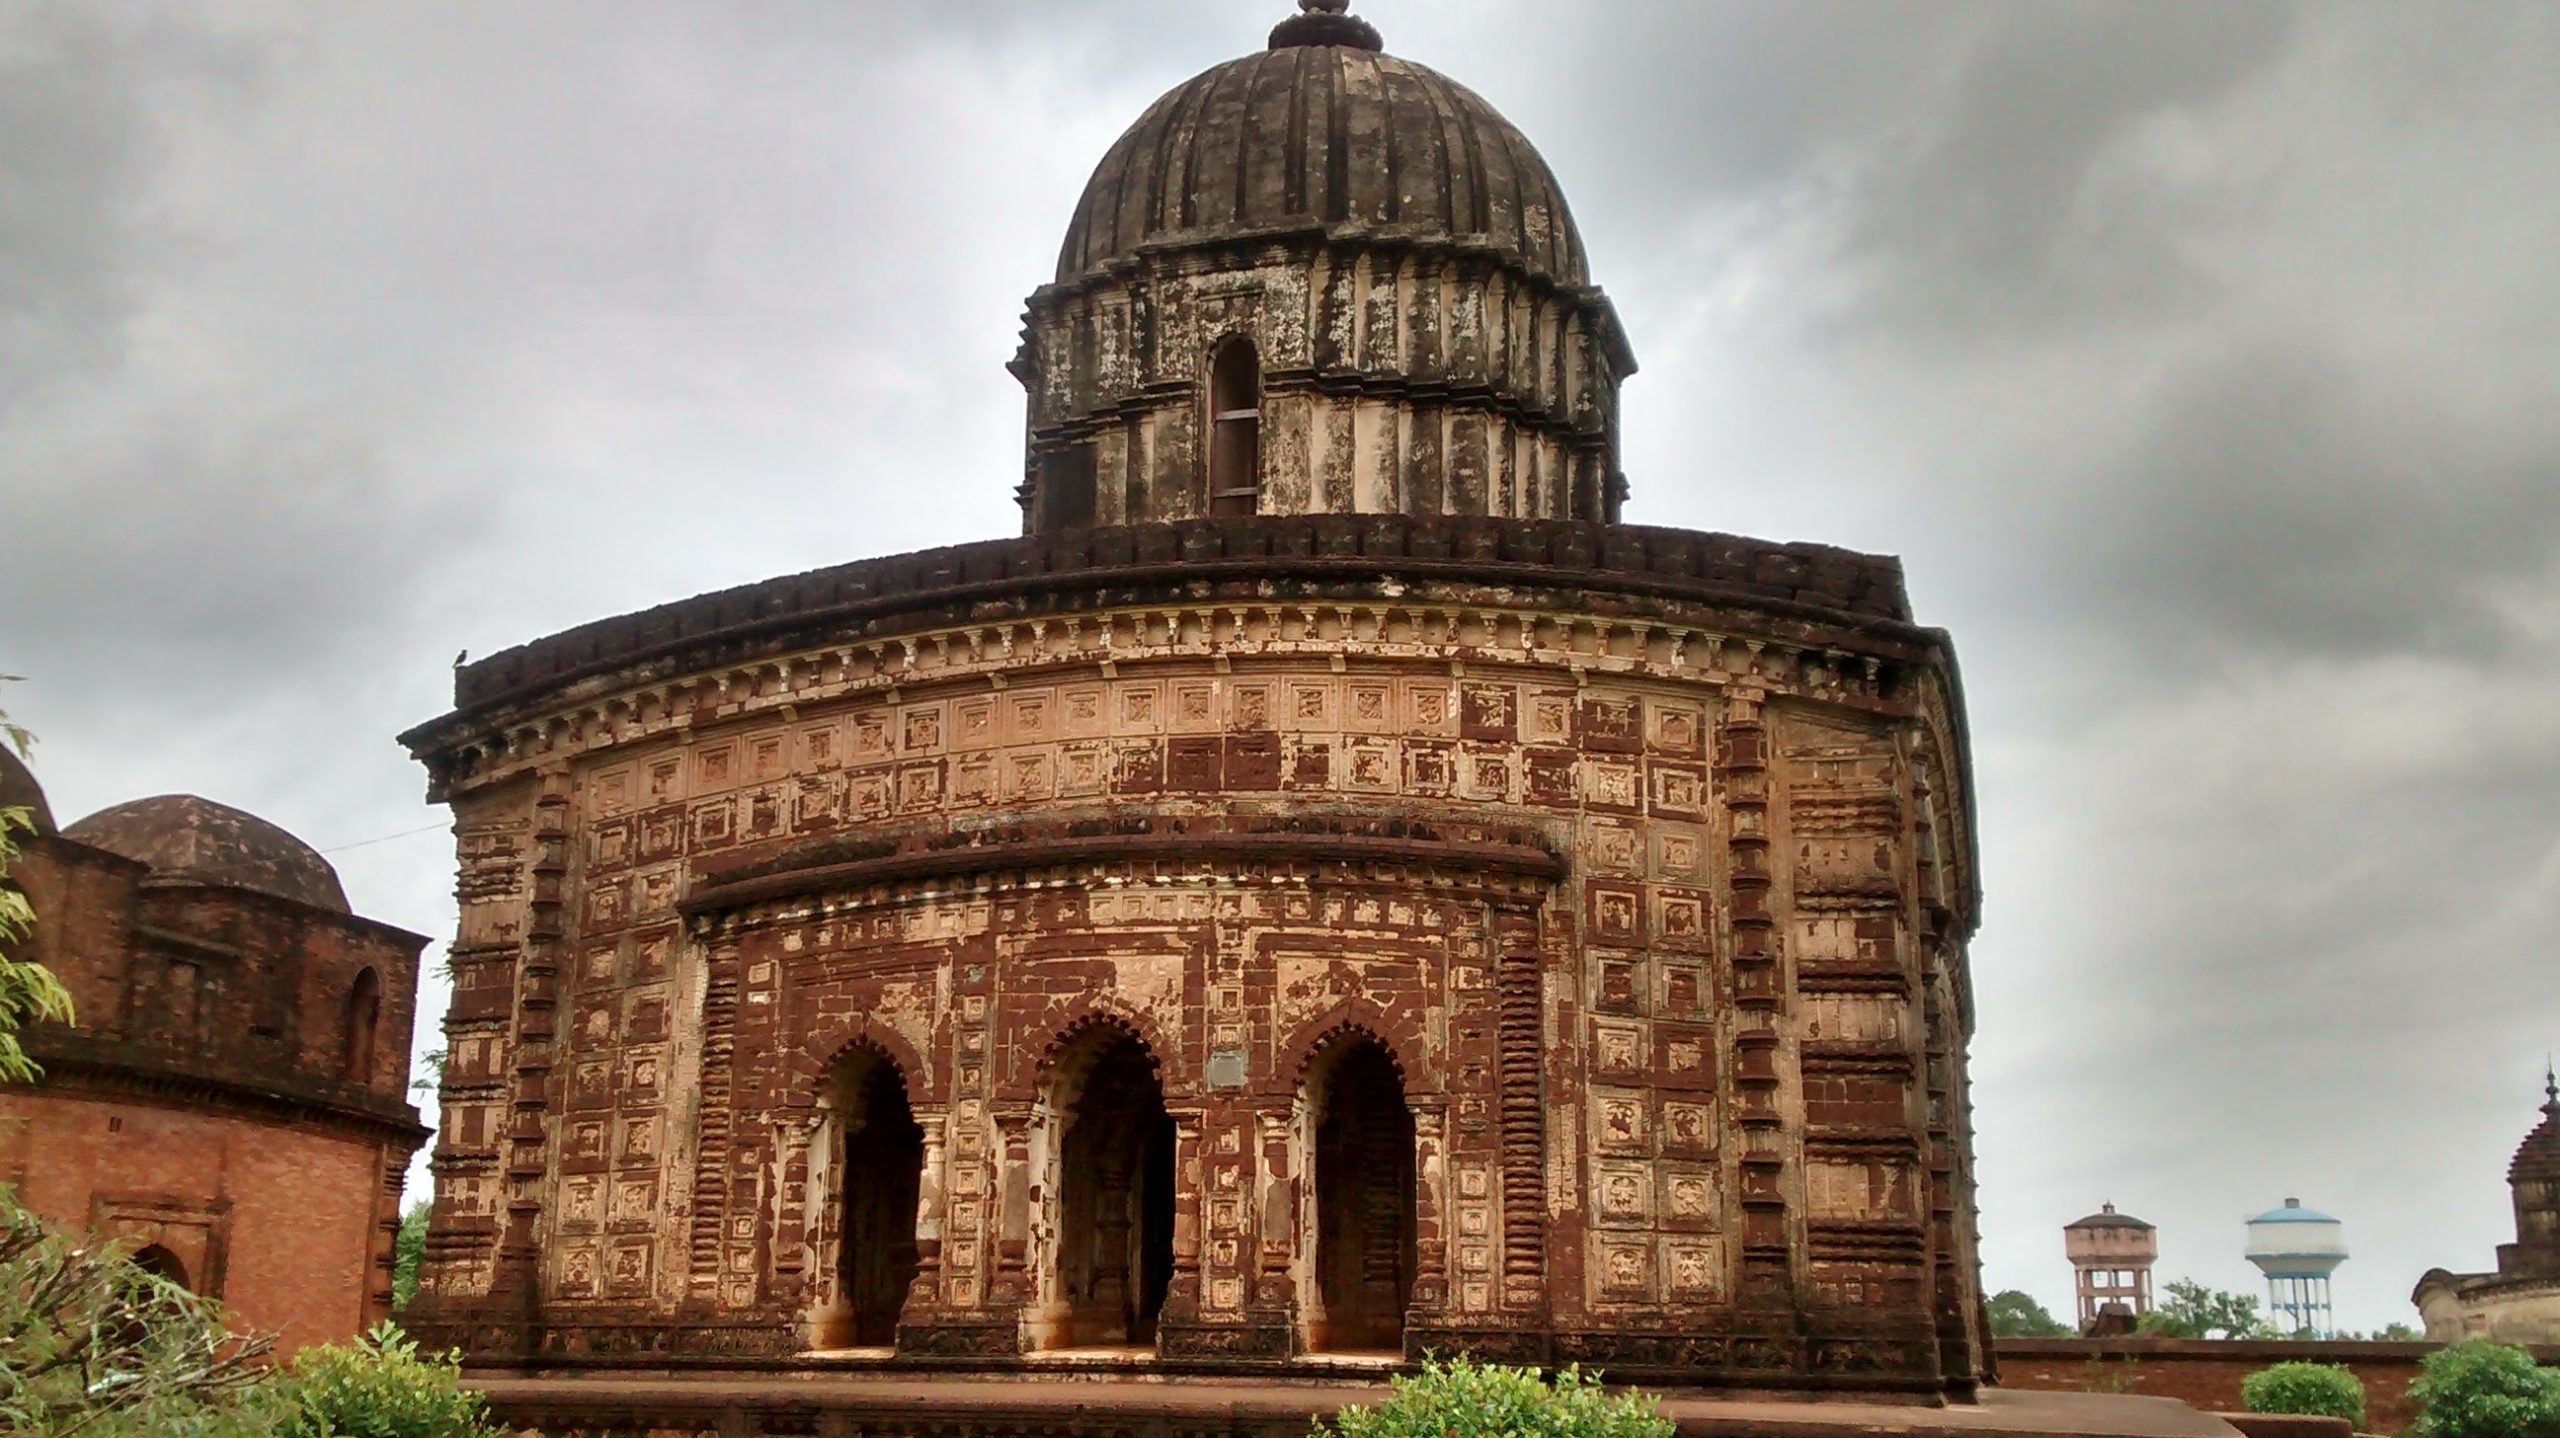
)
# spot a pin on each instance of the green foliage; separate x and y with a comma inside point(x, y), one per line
point(2327, 1389)
point(2188, 1309)
point(2016, 1314)
point(407, 1252)
point(2480, 1389)
point(29, 993)
point(381, 1386)
point(92, 1344)
point(1459, 1398)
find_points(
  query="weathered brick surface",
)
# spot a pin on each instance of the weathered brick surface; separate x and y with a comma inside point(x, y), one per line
point(209, 1099)
point(1725, 872)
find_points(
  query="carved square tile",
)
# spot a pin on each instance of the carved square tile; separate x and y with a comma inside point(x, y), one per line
point(1697, 1270)
point(1626, 1269)
point(1083, 712)
point(1611, 845)
point(1489, 712)
point(1429, 708)
point(1609, 784)
point(920, 729)
point(1551, 718)
point(1680, 919)
point(1689, 1126)
point(1618, 1122)
point(715, 766)
point(1679, 729)
point(1690, 1198)
point(1141, 709)
point(714, 823)
point(873, 739)
point(821, 746)
point(1623, 1196)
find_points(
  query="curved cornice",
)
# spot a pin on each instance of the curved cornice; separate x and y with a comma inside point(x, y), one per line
point(76, 1063)
point(816, 870)
point(1815, 583)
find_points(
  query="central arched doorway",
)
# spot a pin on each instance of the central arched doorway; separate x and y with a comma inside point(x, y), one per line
point(879, 1166)
point(1364, 1198)
point(1115, 1194)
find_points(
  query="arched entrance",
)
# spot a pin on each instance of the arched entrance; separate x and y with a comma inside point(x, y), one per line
point(1115, 1194)
point(162, 1264)
point(878, 1165)
point(1364, 1198)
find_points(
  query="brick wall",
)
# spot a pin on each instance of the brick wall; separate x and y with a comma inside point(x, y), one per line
point(279, 1223)
point(2207, 1375)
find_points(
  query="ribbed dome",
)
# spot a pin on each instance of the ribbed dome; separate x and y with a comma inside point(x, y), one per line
point(19, 789)
point(186, 837)
point(1320, 130)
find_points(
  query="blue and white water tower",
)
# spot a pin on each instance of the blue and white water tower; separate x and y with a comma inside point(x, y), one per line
point(2297, 1249)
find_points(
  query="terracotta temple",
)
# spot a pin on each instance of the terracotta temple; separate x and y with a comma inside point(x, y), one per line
point(1329, 886)
point(230, 1103)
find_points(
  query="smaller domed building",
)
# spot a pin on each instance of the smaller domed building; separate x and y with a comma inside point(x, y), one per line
point(2520, 1302)
point(231, 1099)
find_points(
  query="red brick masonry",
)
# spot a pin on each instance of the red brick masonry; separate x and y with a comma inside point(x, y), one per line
point(2207, 1374)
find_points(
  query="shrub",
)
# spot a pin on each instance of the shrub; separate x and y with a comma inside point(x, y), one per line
point(2326, 1389)
point(91, 1343)
point(1463, 1399)
point(380, 1386)
point(2480, 1389)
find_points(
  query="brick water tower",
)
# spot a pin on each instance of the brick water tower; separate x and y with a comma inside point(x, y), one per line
point(2111, 1256)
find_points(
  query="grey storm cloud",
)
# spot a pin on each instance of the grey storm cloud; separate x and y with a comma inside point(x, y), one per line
point(2203, 362)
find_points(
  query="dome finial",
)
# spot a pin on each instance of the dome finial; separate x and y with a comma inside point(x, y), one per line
point(2550, 1088)
point(1326, 22)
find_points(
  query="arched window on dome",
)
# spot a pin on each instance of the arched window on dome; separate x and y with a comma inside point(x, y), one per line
point(364, 1022)
point(1235, 429)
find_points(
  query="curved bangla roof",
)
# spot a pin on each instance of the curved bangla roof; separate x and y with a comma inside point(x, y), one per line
point(183, 836)
point(1324, 130)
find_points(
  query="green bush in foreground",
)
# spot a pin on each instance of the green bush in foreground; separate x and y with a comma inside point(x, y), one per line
point(94, 1346)
point(1460, 1398)
point(2480, 1389)
point(2325, 1389)
point(380, 1386)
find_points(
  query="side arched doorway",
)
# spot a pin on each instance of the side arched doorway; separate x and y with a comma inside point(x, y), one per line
point(160, 1263)
point(1115, 1194)
point(1364, 1198)
point(878, 1166)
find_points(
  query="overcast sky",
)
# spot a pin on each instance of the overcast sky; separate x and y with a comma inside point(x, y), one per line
point(2201, 361)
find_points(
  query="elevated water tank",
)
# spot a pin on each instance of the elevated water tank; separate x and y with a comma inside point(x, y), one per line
point(2297, 1248)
